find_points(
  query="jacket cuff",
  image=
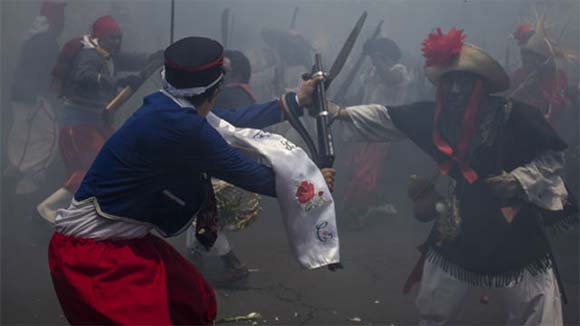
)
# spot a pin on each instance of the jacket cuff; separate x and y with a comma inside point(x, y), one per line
point(289, 104)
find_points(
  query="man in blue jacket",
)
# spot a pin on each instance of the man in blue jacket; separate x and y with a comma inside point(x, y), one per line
point(154, 174)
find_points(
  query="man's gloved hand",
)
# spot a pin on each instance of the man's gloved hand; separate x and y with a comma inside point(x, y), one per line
point(133, 81)
point(504, 186)
point(328, 174)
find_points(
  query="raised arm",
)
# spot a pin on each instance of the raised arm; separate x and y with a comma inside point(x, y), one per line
point(264, 115)
point(215, 157)
point(256, 115)
point(368, 123)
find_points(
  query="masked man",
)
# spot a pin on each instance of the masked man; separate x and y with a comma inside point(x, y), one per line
point(88, 73)
point(154, 173)
point(503, 160)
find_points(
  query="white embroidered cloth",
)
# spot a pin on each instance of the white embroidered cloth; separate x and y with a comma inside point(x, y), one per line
point(306, 205)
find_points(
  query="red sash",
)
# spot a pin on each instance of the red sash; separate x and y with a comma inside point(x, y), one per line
point(465, 135)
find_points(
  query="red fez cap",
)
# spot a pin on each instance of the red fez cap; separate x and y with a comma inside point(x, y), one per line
point(104, 27)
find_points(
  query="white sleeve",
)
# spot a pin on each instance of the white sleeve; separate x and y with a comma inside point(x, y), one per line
point(542, 182)
point(370, 123)
point(405, 73)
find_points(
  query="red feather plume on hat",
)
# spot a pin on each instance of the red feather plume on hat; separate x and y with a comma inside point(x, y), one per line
point(439, 49)
point(523, 33)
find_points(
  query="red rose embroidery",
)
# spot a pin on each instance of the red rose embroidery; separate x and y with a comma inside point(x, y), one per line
point(305, 192)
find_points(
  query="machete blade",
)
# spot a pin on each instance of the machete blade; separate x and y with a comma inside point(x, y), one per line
point(346, 49)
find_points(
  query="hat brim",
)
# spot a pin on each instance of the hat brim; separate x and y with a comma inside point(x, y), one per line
point(474, 60)
point(541, 45)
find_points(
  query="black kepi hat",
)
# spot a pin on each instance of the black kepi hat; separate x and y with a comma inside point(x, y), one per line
point(193, 65)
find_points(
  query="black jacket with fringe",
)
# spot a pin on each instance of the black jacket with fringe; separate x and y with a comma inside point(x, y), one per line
point(489, 251)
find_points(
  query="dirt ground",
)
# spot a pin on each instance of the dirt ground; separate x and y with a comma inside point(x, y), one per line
point(367, 291)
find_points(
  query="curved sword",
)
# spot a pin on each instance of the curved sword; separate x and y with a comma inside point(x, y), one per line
point(345, 51)
point(343, 89)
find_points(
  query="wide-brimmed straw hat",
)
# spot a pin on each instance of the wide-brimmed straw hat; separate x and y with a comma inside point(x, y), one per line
point(448, 53)
point(538, 40)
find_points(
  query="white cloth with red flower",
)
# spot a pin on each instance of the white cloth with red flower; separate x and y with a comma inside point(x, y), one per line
point(306, 204)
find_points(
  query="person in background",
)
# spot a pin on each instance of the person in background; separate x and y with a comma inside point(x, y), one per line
point(385, 83)
point(539, 82)
point(32, 142)
point(88, 75)
point(236, 92)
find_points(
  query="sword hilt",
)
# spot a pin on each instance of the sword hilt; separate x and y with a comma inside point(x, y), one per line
point(325, 141)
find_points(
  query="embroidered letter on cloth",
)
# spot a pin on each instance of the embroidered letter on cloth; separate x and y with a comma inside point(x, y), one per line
point(306, 204)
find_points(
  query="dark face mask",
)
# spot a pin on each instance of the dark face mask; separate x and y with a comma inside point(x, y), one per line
point(457, 89)
point(112, 43)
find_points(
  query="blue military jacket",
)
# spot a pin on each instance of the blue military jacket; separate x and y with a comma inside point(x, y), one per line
point(153, 168)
